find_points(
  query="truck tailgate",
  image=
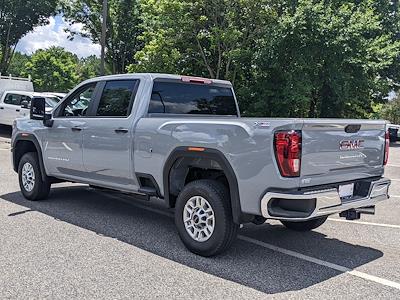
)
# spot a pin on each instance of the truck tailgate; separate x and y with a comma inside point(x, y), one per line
point(341, 150)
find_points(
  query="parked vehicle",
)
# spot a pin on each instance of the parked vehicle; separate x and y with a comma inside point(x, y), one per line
point(15, 104)
point(58, 95)
point(182, 139)
point(394, 133)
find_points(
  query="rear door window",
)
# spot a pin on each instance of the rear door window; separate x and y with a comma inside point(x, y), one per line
point(192, 98)
point(117, 98)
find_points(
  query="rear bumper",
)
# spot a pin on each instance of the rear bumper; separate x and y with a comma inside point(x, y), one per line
point(315, 203)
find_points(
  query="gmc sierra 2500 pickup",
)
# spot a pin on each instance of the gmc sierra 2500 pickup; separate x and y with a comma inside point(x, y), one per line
point(181, 139)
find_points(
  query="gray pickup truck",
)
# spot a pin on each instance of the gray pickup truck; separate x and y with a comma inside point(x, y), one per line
point(181, 139)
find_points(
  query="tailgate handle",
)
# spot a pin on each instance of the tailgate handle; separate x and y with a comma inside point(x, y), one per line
point(352, 128)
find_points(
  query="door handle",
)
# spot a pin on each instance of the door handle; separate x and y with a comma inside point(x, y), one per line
point(2, 107)
point(76, 128)
point(17, 110)
point(121, 130)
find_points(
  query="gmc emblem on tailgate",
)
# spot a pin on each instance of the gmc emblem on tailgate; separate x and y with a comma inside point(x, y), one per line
point(351, 144)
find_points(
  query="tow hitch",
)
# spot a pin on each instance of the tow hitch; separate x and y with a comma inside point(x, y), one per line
point(355, 213)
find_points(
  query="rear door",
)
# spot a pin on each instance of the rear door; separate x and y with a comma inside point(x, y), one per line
point(341, 150)
point(108, 138)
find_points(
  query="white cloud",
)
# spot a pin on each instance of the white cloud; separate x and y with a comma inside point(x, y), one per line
point(53, 34)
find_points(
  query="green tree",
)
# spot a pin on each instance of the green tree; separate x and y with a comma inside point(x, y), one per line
point(301, 58)
point(18, 18)
point(123, 28)
point(53, 69)
point(17, 64)
point(88, 67)
point(391, 111)
point(324, 59)
point(207, 38)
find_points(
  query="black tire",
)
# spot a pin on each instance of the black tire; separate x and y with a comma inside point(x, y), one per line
point(225, 230)
point(305, 225)
point(41, 188)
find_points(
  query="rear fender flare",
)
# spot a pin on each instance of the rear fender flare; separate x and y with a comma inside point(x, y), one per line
point(212, 154)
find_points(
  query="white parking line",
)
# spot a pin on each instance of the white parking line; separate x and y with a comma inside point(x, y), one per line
point(320, 262)
point(317, 261)
point(393, 165)
point(395, 179)
point(365, 223)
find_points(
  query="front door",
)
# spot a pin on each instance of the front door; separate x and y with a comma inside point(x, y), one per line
point(63, 143)
point(108, 138)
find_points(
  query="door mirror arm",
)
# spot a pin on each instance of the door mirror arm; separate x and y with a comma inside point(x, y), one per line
point(48, 120)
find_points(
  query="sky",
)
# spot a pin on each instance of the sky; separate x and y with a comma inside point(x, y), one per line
point(53, 34)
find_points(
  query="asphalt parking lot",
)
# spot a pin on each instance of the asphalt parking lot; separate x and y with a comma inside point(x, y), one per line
point(82, 243)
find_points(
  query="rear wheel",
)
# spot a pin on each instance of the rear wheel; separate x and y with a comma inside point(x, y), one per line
point(31, 183)
point(305, 225)
point(203, 217)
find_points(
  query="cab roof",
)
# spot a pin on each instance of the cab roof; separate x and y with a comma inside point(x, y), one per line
point(154, 76)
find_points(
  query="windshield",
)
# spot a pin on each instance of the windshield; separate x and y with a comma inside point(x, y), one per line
point(51, 101)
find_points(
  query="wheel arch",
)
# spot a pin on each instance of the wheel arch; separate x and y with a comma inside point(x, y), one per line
point(207, 154)
point(24, 143)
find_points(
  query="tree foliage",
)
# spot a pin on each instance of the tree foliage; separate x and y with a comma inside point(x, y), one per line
point(324, 59)
point(289, 58)
point(391, 111)
point(17, 64)
point(304, 58)
point(18, 18)
point(122, 28)
point(88, 67)
point(208, 38)
point(53, 69)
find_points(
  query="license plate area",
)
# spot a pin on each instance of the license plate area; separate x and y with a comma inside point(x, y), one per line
point(346, 191)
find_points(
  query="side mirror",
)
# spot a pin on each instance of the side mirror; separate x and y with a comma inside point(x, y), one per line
point(25, 104)
point(38, 111)
point(38, 108)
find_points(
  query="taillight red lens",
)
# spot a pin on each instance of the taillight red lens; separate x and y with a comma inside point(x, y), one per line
point(387, 144)
point(288, 152)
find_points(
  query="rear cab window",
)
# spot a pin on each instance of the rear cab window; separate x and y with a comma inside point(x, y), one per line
point(178, 97)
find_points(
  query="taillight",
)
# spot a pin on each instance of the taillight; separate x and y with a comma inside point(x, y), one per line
point(288, 152)
point(387, 143)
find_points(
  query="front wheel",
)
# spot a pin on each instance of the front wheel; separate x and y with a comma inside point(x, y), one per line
point(305, 225)
point(31, 183)
point(203, 217)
